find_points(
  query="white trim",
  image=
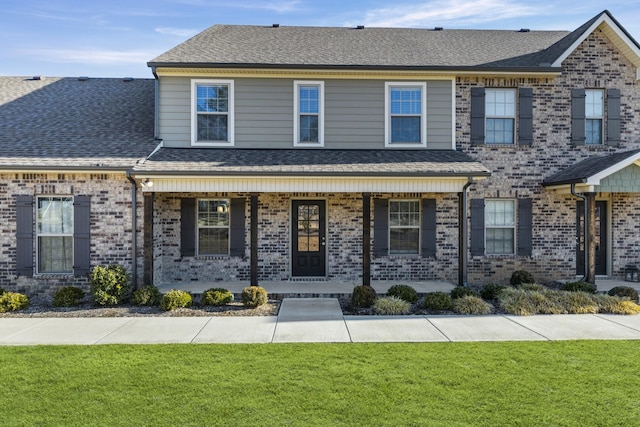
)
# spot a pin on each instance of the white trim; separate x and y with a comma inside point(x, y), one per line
point(387, 114)
point(419, 227)
point(513, 227)
point(513, 117)
point(38, 234)
point(296, 113)
point(228, 227)
point(595, 179)
point(604, 18)
point(230, 114)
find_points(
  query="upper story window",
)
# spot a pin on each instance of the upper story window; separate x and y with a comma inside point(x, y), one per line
point(594, 116)
point(213, 227)
point(54, 230)
point(212, 116)
point(405, 111)
point(500, 223)
point(309, 113)
point(404, 227)
point(500, 107)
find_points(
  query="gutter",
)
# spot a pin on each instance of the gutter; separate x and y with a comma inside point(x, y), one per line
point(585, 231)
point(134, 226)
point(463, 260)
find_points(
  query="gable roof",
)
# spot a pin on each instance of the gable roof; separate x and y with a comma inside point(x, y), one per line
point(66, 123)
point(389, 48)
point(593, 169)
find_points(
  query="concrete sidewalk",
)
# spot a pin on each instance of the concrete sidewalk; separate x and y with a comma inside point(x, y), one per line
point(315, 320)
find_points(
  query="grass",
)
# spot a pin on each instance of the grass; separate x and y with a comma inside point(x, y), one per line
point(454, 384)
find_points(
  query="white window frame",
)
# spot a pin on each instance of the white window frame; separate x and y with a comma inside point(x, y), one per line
point(39, 234)
point(599, 117)
point(297, 84)
point(387, 114)
point(498, 116)
point(514, 226)
point(230, 114)
point(227, 227)
point(418, 227)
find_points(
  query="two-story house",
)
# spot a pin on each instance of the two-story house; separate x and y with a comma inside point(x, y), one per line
point(374, 154)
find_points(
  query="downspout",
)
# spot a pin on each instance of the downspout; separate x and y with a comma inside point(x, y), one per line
point(134, 226)
point(585, 231)
point(463, 235)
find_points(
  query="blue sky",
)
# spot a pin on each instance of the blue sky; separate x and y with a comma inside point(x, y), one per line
point(116, 38)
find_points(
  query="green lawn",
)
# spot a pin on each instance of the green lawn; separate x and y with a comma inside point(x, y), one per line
point(578, 383)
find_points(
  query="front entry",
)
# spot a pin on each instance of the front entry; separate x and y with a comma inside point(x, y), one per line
point(308, 234)
point(601, 239)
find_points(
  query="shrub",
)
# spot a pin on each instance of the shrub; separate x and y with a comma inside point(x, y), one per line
point(615, 305)
point(176, 299)
point(68, 296)
point(110, 285)
point(578, 302)
point(254, 296)
point(462, 291)
point(216, 296)
point(521, 276)
point(491, 291)
point(2, 291)
point(391, 306)
point(470, 304)
point(532, 287)
point(579, 286)
point(363, 296)
point(147, 295)
point(437, 301)
point(404, 292)
point(624, 291)
point(13, 301)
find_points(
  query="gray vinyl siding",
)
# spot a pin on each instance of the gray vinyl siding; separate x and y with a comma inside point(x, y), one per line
point(354, 113)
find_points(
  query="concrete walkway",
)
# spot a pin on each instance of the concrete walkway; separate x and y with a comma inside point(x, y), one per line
point(315, 320)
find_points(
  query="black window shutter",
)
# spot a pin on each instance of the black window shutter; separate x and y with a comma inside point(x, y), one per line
point(188, 227)
point(380, 227)
point(477, 227)
point(237, 228)
point(428, 228)
point(525, 223)
point(525, 116)
point(82, 235)
point(477, 115)
point(24, 235)
point(613, 117)
point(578, 135)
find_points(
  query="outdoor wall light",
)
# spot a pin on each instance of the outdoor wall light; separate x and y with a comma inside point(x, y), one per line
point(147, 183)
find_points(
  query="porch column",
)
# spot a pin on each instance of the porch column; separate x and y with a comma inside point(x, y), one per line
point(147, 275)
point(590, 219)
point(366, 239)
point(254, 239)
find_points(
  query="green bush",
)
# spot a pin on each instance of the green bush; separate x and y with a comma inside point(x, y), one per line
point(579, 286)
point(521, 276)
point(579, 302)
point(176, 299)
point(624, 291)
point(147, 295)
point(437, 301)
point(68, 296)
point(216, 296)
point(491, 291)
point(363, 296)
point(534, 287)
point(254, 296)
point(612, 304)
point(462, 291)
point(404, 292)
point(391, 306)
point(110, 285)
point(470, 304)
point(13, 301)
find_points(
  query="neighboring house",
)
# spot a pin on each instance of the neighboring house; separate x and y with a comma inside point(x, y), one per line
point(354, 154)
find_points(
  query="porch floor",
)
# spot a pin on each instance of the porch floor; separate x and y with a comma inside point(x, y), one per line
point(309, 289)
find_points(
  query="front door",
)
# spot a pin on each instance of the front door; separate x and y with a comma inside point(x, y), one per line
point(308, 238)
point(601, 239)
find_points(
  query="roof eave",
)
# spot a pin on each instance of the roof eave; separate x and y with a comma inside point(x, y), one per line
point(192, 173)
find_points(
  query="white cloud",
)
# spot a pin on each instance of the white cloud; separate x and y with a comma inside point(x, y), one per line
point(442, 12)
point(279, 6)
point(180, 32)
point(90, 56)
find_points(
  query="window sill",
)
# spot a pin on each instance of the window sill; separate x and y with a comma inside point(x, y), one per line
point(52, 275)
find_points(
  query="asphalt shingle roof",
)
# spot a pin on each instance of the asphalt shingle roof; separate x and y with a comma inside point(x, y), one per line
point(67, 123)
point(229, 45)
point(215, 162)
point(581, 171)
